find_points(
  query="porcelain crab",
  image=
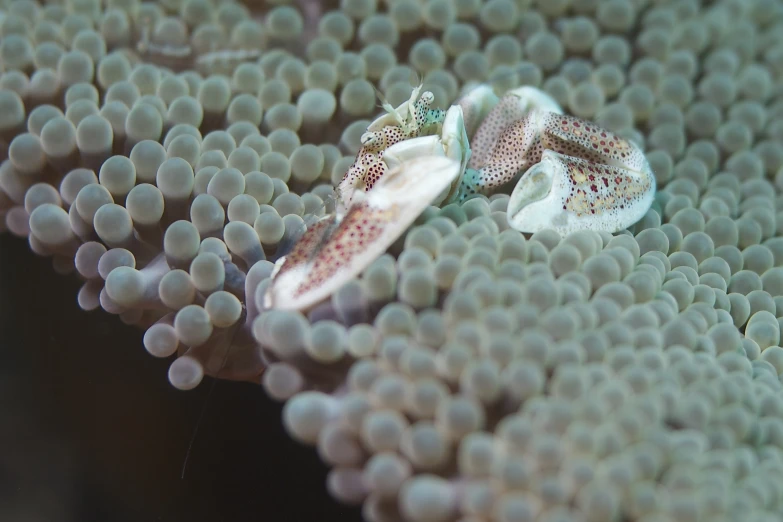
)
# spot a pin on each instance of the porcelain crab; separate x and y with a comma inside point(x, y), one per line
point(567, 174)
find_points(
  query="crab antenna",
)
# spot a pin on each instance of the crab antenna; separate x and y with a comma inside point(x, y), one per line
point(381, 97)
point(143, 44)
point(385, 105)
point(338, 198)
point(415, 79)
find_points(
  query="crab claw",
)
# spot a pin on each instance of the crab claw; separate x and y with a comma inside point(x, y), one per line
point(507, 142)
point(514, 106)
point(480, 101)
point(588, 178)
point(452, 143)
point(536, 99)
point(412, 118)
point(337, 249)
point(476, 103)
point(566, 193)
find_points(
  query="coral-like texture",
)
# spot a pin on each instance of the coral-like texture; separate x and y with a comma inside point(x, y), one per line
point(176, 155)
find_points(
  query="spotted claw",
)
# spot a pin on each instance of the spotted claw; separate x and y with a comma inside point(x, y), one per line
point(411, 119)
point(587, 178)
point(451, 142)
point(569, 173)
point(339, 247)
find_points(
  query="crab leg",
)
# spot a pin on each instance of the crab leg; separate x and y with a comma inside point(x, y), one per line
point(511, 108)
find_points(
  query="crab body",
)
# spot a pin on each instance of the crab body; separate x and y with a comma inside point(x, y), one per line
point(567, 174)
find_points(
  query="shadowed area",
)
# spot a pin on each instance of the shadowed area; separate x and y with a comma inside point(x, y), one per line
point(92, 430)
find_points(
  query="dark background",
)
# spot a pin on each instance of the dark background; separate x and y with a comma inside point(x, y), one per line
point(91, 430)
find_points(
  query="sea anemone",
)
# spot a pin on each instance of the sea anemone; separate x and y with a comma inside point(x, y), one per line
point(168, 154)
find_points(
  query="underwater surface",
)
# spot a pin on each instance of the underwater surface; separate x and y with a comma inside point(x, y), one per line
point(433, 260)
point(92, 429)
